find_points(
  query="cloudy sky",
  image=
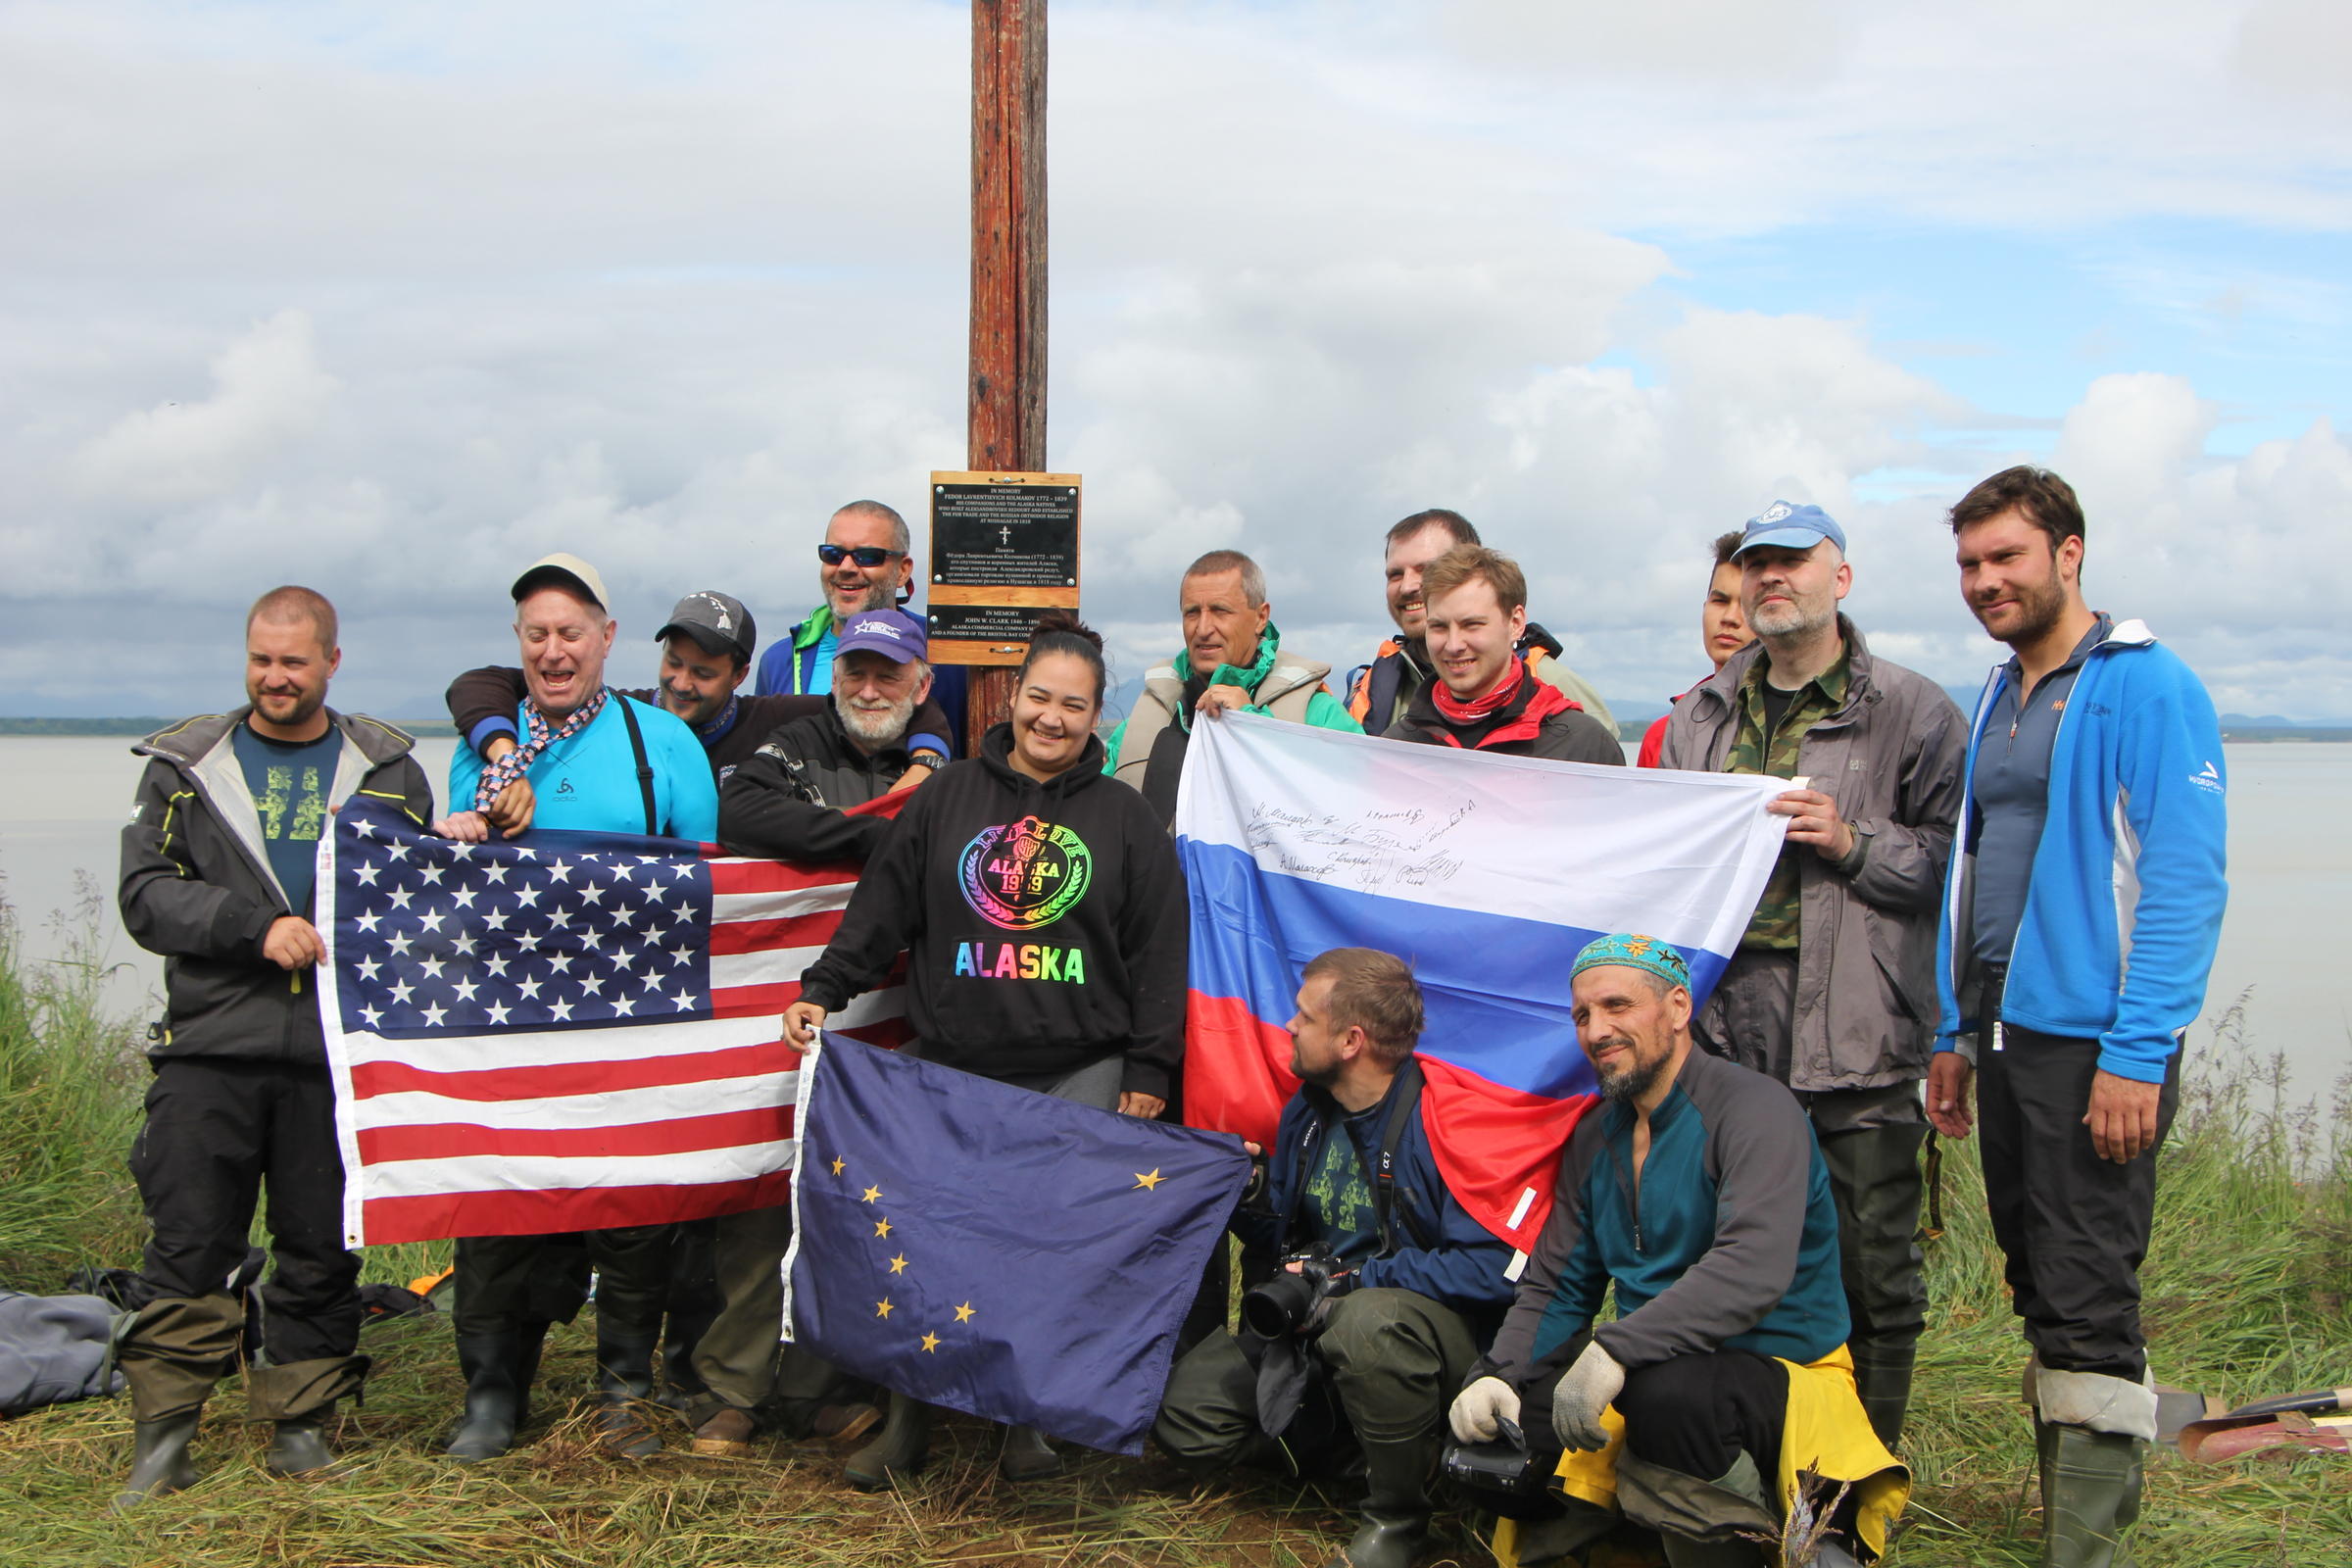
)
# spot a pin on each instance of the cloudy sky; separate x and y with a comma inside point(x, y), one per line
point(391, 299)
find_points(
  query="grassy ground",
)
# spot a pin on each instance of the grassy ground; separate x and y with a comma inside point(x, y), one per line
point(2247, 1293)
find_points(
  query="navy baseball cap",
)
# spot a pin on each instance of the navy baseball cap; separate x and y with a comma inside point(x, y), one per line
point(1789, 527)
point(888, 632)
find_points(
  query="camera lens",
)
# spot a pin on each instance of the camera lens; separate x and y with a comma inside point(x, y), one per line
point(1278, 1306)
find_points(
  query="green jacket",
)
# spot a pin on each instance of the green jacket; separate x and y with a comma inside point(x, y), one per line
point(1292, 689)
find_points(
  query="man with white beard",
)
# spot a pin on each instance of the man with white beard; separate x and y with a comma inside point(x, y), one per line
point(789, 801)
point(1833, 989)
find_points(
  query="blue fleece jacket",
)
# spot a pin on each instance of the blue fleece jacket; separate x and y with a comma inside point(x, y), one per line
point(2125, 905)
point(1462, 1266)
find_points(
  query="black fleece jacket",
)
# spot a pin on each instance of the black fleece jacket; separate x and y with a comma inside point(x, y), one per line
point(789, 800)
point(1044, 924)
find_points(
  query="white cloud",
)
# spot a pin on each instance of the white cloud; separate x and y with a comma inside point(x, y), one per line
point(267, 390)
point(666, 287)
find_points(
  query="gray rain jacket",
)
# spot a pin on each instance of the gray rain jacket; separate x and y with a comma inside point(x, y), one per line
point(1892, 758)
point(197, 886)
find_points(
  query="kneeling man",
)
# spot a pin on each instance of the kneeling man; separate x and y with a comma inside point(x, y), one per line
point(1394, 1287)
point(1725, 1373)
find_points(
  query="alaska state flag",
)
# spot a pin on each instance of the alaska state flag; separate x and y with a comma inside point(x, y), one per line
point(995, 1250)
point(1488, 873)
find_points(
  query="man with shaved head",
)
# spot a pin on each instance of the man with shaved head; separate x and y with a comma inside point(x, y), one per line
point(218, 866)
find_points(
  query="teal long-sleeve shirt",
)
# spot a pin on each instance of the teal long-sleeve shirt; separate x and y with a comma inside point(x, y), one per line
point(589, 781)
point(1728, 1242)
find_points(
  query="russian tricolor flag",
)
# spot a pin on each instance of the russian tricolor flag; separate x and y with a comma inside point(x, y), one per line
point(1488, 873)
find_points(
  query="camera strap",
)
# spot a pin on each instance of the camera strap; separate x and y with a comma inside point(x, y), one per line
point(1404, 1103)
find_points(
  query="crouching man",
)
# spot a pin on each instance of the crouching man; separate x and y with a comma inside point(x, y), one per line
point(1389, 1289)
point(1725, 1373)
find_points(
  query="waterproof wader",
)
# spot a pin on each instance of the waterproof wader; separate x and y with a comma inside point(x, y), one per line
point(1394, 1360)
point(220, 1135)
point(1870, 1142)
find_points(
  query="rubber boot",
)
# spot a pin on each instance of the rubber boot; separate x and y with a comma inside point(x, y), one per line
point(299, 1445)
point(159, 1458)
point(2090, 1493)
point(1882, 1377)
point(526, 1368)
point(625, 1383)
point(899, 1452)
point(493, 1366)
point(1027, 1455)
point(1396, 1524)
point(682, 1386)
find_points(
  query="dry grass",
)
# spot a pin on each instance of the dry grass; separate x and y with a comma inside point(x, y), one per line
point(2248, 1295)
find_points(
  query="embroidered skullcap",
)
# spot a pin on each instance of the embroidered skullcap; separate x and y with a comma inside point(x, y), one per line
point(1635, 953)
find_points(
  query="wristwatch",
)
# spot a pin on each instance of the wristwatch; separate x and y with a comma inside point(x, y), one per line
point(927, 758)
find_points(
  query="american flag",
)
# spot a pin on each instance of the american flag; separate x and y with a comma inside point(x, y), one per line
point(565, 1031)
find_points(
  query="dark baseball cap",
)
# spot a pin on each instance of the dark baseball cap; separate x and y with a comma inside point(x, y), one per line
point(560, 571)
point(717, 623)
point(889, 632)
point(1791, 527)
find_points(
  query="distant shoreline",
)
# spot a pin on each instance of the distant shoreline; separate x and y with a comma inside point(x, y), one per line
point(2235, 734)
point(134, 727)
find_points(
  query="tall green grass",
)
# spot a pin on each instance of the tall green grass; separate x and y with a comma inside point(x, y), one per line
point(70, 1083)
point(2248, 1293)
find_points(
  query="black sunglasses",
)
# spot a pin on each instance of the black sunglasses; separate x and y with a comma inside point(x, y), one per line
point(868, 555)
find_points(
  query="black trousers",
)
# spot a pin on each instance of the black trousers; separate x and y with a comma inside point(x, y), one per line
point(505, 1283)
point(2073, 1227)
point(221, 1131)
point(1696, 1414)
point(1870, 1140)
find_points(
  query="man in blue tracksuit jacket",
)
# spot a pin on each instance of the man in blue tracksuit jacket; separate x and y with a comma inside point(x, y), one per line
point(2081, 912)
point(1418, 1286)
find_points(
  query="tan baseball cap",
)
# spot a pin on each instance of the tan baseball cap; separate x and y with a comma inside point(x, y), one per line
point(561, 570)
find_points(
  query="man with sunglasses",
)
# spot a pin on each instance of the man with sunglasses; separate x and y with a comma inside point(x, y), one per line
point(866, 563)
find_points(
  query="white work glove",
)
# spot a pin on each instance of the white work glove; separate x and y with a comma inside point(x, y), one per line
point(1479, 1409)
point(1575, 1405)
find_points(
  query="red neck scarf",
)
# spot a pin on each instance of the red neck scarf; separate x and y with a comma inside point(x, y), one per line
point(1520, 701)
point(1457, 712)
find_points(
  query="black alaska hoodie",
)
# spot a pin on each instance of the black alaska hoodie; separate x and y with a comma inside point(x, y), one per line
point(1044, 924)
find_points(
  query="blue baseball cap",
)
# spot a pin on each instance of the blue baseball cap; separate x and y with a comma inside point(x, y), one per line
point(888, 632)
point(1789, 527)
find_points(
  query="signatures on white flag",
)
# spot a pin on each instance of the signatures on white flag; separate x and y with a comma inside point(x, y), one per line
point(1390, 846)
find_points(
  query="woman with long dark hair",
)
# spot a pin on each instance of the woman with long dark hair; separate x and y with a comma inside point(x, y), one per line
point(1042, 914)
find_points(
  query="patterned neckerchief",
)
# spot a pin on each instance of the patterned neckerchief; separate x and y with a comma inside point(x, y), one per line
point(539, 736)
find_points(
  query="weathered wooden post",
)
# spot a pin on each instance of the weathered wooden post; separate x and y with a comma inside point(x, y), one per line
point(1007, 371)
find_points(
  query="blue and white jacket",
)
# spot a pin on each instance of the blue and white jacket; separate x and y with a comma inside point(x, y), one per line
point(2125, 905)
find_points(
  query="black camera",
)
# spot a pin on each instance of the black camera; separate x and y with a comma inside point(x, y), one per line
point(1281, 1306)
point(1503, 1476)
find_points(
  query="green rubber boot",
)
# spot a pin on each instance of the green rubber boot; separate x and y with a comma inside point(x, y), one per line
point(2090, 1484)
point(299, 1445)
point(898, 1454)
point(1395, 1516)
point(625, 1386)
point(159, 1458)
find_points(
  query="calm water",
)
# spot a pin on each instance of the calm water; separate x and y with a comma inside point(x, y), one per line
point(62, 800)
